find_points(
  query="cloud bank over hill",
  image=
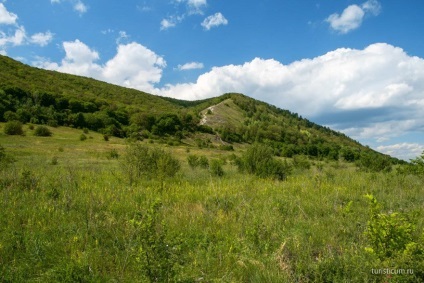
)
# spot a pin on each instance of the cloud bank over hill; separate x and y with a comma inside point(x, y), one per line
point(375, 93)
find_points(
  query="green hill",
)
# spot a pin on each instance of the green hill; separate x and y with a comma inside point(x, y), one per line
point(228, 189)
point(38, 96)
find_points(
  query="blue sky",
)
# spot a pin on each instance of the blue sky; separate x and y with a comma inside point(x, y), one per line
point(355, 66)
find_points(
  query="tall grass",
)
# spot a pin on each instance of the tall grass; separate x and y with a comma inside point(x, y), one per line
point(75, 223)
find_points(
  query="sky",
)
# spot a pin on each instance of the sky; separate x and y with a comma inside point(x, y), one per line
point(356, 66)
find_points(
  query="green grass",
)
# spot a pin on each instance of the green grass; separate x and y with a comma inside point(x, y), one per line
point(81, 221)
point(224, 113)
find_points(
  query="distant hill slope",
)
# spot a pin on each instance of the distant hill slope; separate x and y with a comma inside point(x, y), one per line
point(34, 95)
point(14, 74)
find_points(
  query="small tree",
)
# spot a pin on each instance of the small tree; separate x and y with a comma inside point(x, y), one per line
point(13, 128)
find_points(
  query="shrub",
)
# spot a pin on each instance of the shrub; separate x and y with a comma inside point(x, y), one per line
point(193, 161)
point(215, 168)
point(158, 255)
point(83, 137)
point(13, 128)
point(301, 162)
point(203, 162)
point(142, 161)
point(106, 137)
point(55, 160)
point(42, 131)
point(388, 234)
point(259, 160)
point(113, 154)
point(374, 163)
point(228, 147)
point(28, 181)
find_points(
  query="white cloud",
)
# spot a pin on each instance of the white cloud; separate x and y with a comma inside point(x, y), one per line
point(196, 6)
point(15, 35)
point(80, 7)
point(171, 22)
point(372, 6)
point(133, 66)
point(192, 7)
point(376, 93)
point(167, 23)
point(190, 66)
point(7, 17)
point(42, 39)
point(123, 36)
point(405, 151)
point(214, 21)
point(77, 5)
point(352, 17)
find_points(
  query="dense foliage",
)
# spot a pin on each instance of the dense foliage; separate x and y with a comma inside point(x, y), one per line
point(13, 128)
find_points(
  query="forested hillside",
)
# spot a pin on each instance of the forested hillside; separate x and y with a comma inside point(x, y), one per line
point(32, 95)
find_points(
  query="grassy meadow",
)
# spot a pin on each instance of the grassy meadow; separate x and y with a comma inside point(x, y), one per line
point(68, 213)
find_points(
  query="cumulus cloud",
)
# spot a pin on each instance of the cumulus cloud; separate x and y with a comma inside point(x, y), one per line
point(13, 38)
point(192, 7)
point(15, 35)
point(404, 151)
point(213, 21)
point(190, 66)
point(41, 38)
point(133, 66)
point(353, 16)
point(6, 17)
point(376, 93)
point(171, 22)
point(80, 7)
point(77, 5)
point(196, 6)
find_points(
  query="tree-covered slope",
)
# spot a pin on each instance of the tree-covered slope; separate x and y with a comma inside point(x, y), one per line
point(14, 74)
